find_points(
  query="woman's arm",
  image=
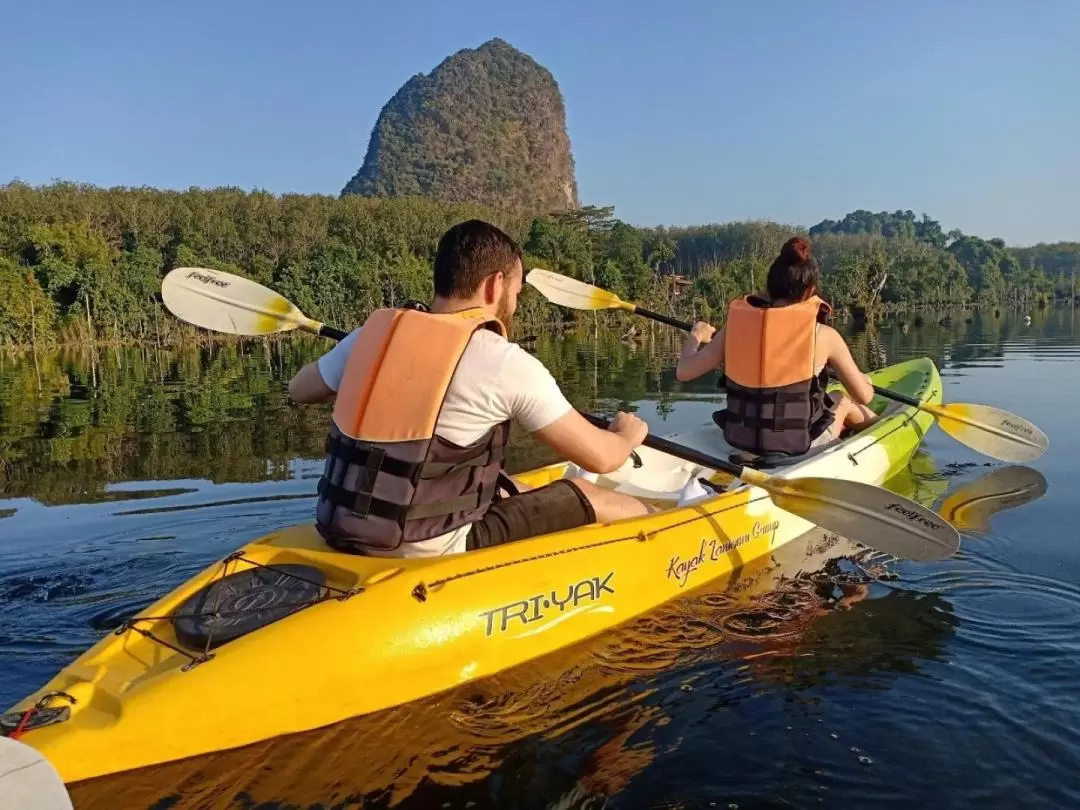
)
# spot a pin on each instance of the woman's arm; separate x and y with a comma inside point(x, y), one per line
point(695, 360)
point(857, 384)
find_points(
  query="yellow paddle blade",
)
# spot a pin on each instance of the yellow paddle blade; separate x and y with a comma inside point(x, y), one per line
point(223, 302)
point(972, 504)
point(569, 292)
point(991, 431)
point(890, 523)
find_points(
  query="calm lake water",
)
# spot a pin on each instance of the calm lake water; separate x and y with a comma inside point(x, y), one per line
point(870, 682)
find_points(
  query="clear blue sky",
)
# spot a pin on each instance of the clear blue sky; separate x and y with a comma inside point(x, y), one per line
point(679, 112)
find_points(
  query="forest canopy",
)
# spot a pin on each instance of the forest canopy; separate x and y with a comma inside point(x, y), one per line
point(79, 262)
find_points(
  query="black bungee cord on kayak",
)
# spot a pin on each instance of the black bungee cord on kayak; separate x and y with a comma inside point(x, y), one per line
point(242, 602)
point(41, 714)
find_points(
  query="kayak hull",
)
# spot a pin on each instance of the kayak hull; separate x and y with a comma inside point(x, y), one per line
point(396, 630)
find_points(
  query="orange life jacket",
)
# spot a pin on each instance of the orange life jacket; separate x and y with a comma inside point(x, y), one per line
point(388, 478)
point(775, 401)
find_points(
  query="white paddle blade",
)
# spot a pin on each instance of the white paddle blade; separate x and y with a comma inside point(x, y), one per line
point(992, 431)
point(223, 302)
point(870, 515)
point(571, 293)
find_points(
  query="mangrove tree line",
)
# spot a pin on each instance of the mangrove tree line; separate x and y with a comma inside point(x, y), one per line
point(80, 263)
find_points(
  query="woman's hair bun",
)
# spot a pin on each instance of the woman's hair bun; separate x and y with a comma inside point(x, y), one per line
point(796, 250)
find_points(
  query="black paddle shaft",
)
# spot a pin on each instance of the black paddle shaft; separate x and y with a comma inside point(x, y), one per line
point(885, 392)
point(331, 332)
point(656, 316)
point(677, 450)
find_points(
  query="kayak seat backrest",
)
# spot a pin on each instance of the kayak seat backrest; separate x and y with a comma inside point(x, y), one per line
point(771, 461)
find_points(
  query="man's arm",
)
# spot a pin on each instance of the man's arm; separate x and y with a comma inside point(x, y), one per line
point(319, 380)
point(533, 398)
point(593, 449)
point(309, 386)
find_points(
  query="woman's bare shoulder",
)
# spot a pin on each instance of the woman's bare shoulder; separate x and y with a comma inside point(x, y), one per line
point(827, 335)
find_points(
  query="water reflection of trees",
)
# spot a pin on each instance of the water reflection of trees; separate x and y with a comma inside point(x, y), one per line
point(73, 421)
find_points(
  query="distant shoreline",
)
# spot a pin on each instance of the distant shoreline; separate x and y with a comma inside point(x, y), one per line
point(183, 336)
point(77, 261)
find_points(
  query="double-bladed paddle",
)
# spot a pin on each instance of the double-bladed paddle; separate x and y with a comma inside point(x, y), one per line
point(223, 302)
point(890, 523)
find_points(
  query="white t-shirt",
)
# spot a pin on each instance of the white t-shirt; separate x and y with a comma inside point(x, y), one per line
point(496, 380)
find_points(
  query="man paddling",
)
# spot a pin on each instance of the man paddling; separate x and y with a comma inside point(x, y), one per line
point(774, 351)
point(423, 406)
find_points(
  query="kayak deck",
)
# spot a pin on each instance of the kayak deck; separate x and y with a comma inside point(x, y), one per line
point(383, 632)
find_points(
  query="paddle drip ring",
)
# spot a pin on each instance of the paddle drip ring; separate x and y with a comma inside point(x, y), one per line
point(775, 615)
point(239, 603)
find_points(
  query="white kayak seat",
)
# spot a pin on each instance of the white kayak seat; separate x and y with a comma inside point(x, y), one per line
point(28, 780)
point(693, 490)
point(652, 476)
point(574, 471)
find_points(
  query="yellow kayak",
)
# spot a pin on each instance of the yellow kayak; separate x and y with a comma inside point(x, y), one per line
point(306, 637)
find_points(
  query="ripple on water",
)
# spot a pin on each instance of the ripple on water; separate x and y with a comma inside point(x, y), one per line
point(120, 609)
point(1002, 703)
point(1003, 609)
point(43, 586)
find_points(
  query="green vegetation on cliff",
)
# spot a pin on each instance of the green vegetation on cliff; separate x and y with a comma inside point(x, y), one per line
point(486, 126)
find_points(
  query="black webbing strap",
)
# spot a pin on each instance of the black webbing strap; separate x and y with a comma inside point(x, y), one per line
point(757, 423)
point(763, 396)
point(364, 503)
point(437, 469)
point(462, 503)
point(376, 458)
point(373, 458)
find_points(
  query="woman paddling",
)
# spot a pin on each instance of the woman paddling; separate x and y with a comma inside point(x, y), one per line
point(773, 351)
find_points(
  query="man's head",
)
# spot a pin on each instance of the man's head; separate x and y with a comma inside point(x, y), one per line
point(476, 264)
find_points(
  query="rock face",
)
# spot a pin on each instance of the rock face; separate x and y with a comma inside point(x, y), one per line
point(486, 126)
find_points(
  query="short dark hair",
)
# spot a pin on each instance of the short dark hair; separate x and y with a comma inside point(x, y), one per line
point(793, 272)
point(470, 252)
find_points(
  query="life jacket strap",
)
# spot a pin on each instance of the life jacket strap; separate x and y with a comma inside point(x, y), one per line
point(437, 469)
point(377, 460)
point(758, 423)
point(373, 459)
point(364, 503)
